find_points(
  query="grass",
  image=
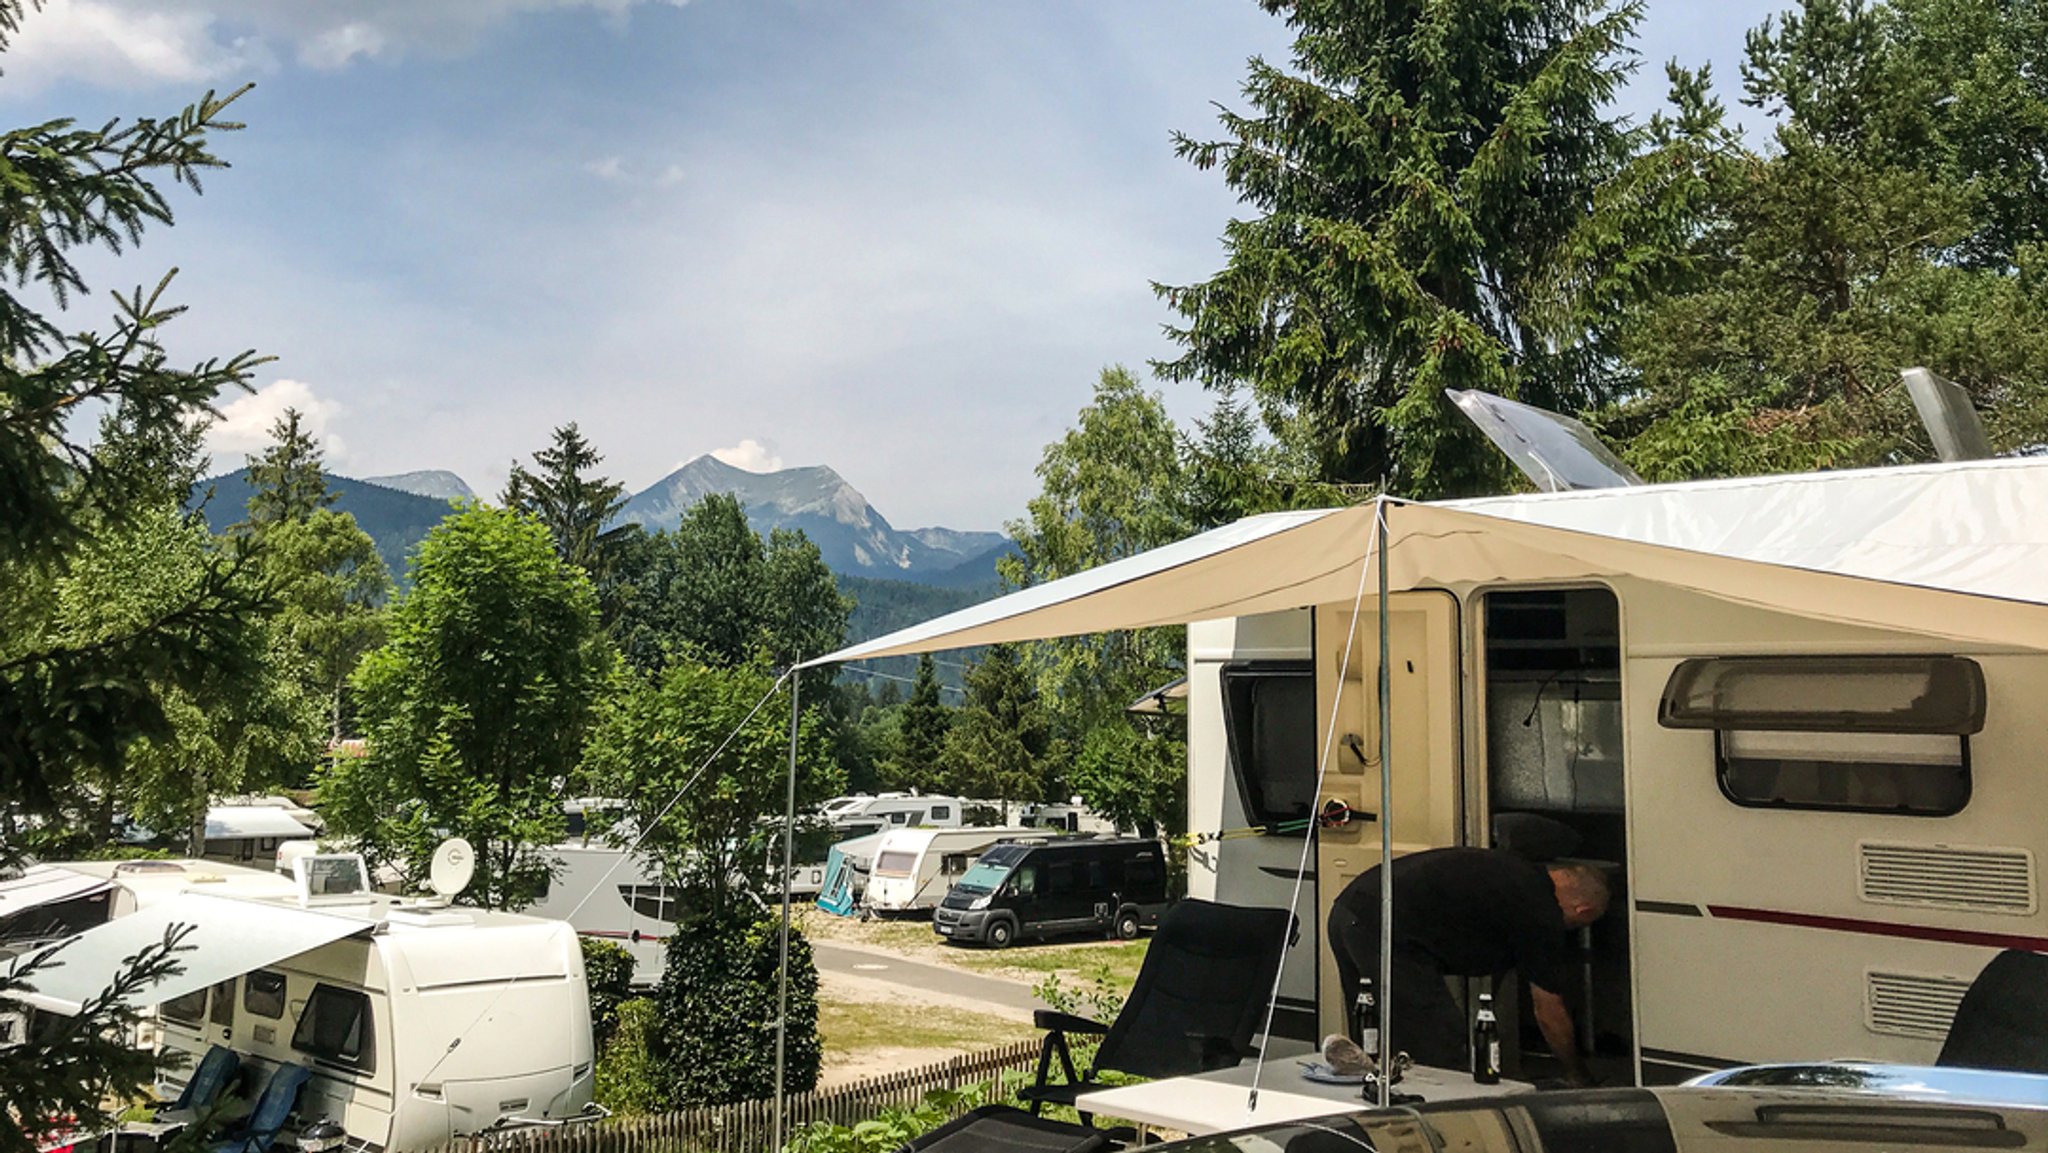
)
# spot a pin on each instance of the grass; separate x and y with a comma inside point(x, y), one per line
point(1121, 959)
point(852, 1027)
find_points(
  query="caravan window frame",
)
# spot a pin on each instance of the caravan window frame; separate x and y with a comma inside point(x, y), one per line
point(1891, 749)
point(1250, 791)
point(363, 1057)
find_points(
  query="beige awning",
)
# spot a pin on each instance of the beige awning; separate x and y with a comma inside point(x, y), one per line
point(1958, 552)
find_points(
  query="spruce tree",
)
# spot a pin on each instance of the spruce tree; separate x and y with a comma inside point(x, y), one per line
point(287, 481)
point(922, 729)
point(1427, 188)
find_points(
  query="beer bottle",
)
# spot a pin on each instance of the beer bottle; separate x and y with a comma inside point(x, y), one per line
point(1485, 1043)
point(1366, 1016)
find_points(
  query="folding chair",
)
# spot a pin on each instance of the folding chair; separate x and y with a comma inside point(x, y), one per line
point(259, 1130)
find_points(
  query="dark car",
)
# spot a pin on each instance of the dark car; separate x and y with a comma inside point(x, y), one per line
point(1070, 885)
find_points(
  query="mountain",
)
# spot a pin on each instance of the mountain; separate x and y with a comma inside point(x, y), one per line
point(853, 538)
point(395, 520)
point(438, 483)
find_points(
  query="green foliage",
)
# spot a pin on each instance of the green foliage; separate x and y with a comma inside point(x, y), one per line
point(576, 508)
point(1000, 742)
point(1136, 778)
point(628, 1079)
point(1114, 487)
point(72, 701)
point(67, 1073)
point(331, 587)
point(701, 755)
point(1427, 181)
point(608, 972)
point(713, 590)
point(475, 707)
point(715, 1043)
point(895, 1126)
point(285, 482)
point(916, 761)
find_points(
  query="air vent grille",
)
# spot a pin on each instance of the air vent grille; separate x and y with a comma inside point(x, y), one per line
point(1946, 877)
point(1909, 1005)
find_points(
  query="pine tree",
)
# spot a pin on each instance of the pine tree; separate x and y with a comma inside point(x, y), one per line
point(922, 732)
point(1428, 181)
point(286, 482)
point(575, 506)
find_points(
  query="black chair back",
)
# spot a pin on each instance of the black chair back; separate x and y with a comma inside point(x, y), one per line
point(1201, 994)
point(2002, 1022)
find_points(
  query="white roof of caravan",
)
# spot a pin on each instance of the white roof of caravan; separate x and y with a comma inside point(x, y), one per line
point(1957, 551)
point(40, 885)
point(237, 822)
point(151, 881)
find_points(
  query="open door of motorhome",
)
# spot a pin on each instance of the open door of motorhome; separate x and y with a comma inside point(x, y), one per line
point(1425, 704)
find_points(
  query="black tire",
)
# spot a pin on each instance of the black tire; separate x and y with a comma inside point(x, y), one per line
point(1127, 925)
point(999, 934)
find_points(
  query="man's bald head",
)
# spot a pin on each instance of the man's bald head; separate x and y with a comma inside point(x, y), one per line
point(1582, 893)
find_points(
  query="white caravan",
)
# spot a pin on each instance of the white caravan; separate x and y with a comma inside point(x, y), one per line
point(419, 1021)
point(605, 892)
point(1797, 717)
point(899, 810)
point(913, 868)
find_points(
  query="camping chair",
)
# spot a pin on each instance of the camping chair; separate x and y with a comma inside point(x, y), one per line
point(2002, 1022)
point(256, 1132)
point(1199, 998)
point(215, 1071)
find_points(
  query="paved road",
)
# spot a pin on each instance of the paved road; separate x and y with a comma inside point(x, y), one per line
point(876, 965)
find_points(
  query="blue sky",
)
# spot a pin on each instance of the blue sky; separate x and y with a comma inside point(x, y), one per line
point(897, 237)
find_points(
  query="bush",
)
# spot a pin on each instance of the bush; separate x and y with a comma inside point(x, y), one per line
point(715, 1038)
point(893, 1128)
point(628, 1081)
point(608, 968)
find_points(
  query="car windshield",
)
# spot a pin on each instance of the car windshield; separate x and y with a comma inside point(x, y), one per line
point(985, 877)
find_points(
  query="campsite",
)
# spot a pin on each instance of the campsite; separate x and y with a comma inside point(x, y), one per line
point(631, 576)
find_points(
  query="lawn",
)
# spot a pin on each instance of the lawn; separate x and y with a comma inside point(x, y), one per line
point(1120, 961)
point(849, 1028)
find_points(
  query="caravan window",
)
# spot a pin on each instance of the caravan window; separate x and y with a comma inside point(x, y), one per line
point(653, 901)
point(1269, 715)
point(335, 1027)
point(223, 1003)
point(942, 812)
point(188, 1009)
point(1857, 734)
point(263, 994)
point(895, 863)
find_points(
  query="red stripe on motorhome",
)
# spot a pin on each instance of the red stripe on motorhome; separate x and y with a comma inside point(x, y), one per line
point(612, 935)
point(1882, 928)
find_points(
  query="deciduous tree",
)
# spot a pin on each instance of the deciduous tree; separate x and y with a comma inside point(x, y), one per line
point(475, 707)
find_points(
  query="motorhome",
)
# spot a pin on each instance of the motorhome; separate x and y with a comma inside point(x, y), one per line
point(900, 810)
point(419, 1021)
point(606, 892)
point(1795, 718)
point(913, 868)
point(1066, 885)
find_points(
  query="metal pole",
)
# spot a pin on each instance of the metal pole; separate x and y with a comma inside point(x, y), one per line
point(782, 973)
point(1386, 990)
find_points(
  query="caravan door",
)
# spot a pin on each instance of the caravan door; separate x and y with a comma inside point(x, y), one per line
point(1425, 704)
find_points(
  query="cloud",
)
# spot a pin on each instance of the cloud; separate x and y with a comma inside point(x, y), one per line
point(141, 43)
point(751, 455)
point(610, 168)
point(244, 425)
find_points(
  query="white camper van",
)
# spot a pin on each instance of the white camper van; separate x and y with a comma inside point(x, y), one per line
point(899, 810)
point(913, 868)
point(1796, 719)
point(605, 892)
point(371, 994)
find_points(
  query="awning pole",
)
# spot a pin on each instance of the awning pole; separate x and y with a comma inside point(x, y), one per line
point(796, 681)
point(1386, 986)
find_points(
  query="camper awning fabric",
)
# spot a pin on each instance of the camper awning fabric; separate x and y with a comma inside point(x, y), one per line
point(228, 938)
point(1950, 551)
point(42, 885)
point(234, 822)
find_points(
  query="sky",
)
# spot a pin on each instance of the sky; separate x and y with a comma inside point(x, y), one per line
point(897, 237)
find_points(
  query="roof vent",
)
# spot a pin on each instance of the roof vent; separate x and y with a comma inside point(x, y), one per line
point(1980, 880)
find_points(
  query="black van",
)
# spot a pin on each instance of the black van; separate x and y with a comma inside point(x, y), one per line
point(1069, 885)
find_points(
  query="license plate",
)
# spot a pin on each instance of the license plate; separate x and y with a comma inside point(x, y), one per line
point(944, 930)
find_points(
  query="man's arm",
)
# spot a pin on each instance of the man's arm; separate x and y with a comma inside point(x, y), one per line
point(1555, 1019)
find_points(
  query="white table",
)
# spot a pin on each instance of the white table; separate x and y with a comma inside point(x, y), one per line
point(1216, 1102)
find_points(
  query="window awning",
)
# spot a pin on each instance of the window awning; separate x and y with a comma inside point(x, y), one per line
point(228, 938)
point(41, 885)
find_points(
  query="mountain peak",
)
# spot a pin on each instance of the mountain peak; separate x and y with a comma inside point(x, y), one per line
point(851, 535)
point(435, 482)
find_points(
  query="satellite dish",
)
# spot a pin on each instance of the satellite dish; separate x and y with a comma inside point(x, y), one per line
point(454, 864)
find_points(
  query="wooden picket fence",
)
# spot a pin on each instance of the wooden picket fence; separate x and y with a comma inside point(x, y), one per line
point(747, 1127)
